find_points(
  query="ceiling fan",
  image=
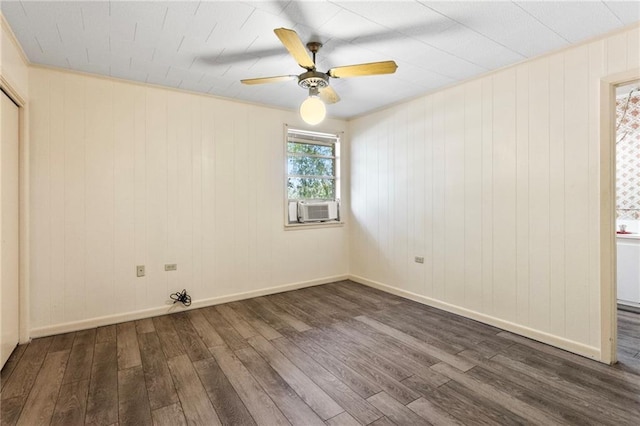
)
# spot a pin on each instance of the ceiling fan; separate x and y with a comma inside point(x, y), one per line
point(315, 81)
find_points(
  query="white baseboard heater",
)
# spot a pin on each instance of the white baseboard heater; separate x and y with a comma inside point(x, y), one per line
point(317, 211)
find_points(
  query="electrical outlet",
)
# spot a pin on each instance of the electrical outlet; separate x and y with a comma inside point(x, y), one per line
point(419, 259)
point(140, 270)
point(171, 267)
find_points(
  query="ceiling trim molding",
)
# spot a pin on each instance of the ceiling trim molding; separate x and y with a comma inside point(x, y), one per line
point(626, 28)
point(4, 24)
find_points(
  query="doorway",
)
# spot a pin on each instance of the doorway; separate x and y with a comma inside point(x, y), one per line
point(627, 217)
point(9, 226)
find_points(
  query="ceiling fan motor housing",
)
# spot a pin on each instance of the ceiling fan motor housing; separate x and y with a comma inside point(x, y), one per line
point(311, 79)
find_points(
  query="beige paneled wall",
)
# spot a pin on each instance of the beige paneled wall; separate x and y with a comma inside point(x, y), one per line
point(495, 183)
point(124, 174)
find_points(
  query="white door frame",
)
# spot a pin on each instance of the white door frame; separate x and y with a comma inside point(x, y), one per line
point(608, 300)
point(23, 213)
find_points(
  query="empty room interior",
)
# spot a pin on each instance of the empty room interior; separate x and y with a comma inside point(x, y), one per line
point(320, 212)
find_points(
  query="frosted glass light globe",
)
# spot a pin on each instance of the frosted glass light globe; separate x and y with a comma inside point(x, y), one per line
point(313, 110)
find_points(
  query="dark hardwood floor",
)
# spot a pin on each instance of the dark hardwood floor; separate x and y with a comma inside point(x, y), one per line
point(337, 354)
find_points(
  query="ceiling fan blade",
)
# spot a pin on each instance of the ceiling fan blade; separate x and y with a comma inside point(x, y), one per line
point(295, 47)
point(328, 95)
point(264, 80)
point(373, 68)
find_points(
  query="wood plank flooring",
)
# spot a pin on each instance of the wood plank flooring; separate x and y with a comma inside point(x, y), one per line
point(336, 354)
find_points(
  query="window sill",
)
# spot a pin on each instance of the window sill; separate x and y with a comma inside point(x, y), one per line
point(313, 225)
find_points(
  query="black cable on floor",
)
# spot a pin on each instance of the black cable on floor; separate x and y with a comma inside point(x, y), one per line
point(182, 297)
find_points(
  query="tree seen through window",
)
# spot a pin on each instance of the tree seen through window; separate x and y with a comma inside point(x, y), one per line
point(311, 169)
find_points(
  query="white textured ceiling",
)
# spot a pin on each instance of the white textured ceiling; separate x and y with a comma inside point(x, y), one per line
point(209, 46)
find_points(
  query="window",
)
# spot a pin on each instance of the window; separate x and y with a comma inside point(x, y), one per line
point(311, 165)
point(312, 169)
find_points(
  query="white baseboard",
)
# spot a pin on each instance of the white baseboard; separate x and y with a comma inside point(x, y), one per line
point(167, 309)
point(540, 336)
point(562, 343)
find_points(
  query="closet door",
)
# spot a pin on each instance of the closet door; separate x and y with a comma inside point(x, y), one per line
point(9, 224)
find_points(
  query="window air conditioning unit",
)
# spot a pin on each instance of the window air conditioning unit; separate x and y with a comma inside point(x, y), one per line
point(317, 211)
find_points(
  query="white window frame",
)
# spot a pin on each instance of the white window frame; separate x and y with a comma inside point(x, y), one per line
point(319, 138)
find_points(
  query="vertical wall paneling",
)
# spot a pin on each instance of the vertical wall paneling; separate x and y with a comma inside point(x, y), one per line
point(124, 248)
point(361, 192)
point(487, 195)
point(522, 194)
point(390, 208)
point(504, 185)
point(596, 71)
point(386, 171)
point(193, 222)
point(410, 197)
point(557, 249)
point(418, 168)
point(385, 152)
point(208, 191)
point(427, 217)
point(99, 194)
point(41, 248)
point(75, 236)
point(370, 202)
point(182, 244)
point(140, 203)
point(509, 198)
point(576, 171)
point(241, 188)
point(355, 244)
point(454, 202)
point(399, 229)
point(56, 199)
point(178, 142)
point(367, 223)
point(283, 248)
point(125, 174)
point(156, 224)
point(539, 196)
point(267, 164)
point(224, 186)
point(271, 157)
point(253, 252)
point(175, 108)
point(439, 236)
point(473, 195)
point(409, 203)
